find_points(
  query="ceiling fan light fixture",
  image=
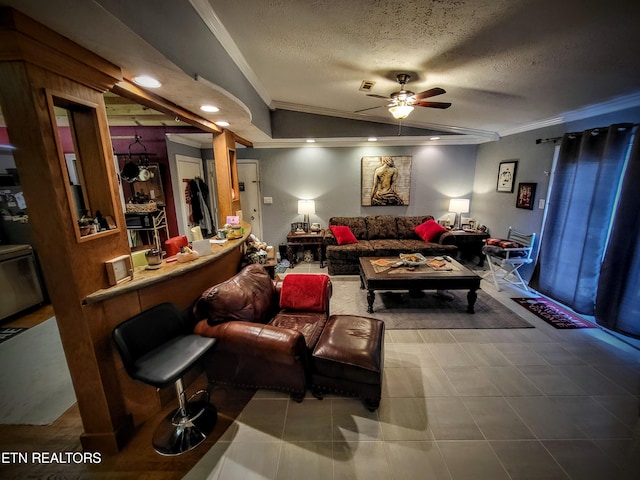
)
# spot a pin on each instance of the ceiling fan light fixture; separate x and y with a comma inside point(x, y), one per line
point(400, 111)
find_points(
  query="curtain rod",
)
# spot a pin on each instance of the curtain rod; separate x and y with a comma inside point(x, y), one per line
point(555, 139)
point(547, 140)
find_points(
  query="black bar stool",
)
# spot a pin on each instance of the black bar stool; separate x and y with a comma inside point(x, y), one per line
point(157, 348)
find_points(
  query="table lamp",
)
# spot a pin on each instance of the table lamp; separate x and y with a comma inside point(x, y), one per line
point(306, 207)
point(459, 206)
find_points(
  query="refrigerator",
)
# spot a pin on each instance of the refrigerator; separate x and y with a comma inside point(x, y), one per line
point(19, 282)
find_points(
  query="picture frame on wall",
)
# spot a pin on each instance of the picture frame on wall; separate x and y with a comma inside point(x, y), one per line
point(507, 176)
point(386, 181)
point(526, 195)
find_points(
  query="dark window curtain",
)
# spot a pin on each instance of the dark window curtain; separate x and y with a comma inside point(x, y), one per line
point(618, 300)
point(581, 205)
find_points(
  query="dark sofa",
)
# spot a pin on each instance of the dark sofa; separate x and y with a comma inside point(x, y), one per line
point(380, 236)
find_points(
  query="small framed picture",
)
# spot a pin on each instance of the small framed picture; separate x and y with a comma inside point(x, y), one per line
point(526, 195)
point(507, 176)
point(119, 269)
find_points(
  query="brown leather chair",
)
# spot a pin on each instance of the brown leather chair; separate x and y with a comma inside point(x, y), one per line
point(265, 334)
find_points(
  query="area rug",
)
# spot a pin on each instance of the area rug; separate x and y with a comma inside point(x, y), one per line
point(400, 311)
point(36, 385)
point(7, 332)
point(552, 313)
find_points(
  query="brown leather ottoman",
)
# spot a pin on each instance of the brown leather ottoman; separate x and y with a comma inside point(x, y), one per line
point(348, 359)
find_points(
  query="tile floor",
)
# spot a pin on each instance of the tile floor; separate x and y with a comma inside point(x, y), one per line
point(457, 404)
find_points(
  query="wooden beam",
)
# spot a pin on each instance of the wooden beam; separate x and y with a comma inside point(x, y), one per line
point(131, 91)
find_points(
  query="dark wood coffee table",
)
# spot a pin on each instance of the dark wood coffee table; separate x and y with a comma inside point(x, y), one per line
point(423, 277)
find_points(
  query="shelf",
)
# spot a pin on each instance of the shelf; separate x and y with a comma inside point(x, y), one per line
point(159, 220)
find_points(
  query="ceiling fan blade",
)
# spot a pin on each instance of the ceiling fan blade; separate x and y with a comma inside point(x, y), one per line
point(378, 96)
point(432, 92)
point(442, 105)
point(365, 109)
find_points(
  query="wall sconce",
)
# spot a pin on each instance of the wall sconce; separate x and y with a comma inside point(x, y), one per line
point(306, 207)
point(459, 206)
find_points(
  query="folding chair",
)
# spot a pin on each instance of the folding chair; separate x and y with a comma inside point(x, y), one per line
point(506, 256)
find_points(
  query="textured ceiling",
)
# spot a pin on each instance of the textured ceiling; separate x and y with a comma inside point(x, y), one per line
point(507, 65)
point(504, 63)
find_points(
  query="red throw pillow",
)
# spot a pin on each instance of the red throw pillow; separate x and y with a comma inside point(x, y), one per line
point(429, 230)
point(343, 234)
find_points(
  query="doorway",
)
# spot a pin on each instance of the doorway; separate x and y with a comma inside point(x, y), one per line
point(188, 169)
point(249, 183)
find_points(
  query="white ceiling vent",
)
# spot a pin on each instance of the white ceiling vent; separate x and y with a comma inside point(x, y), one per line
point(366, 85)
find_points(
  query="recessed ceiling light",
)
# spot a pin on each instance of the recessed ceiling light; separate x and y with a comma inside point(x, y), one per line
point(209, 108)
point(434, 138)
point(222, 123)
point(372, 139)
point(146, 81)
point(310, 140)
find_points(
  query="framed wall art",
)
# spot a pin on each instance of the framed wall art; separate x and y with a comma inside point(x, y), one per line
point(386, 181)
point(507, 176)
point(526, 195)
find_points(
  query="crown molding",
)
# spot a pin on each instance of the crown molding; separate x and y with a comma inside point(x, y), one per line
point(213, 23)
point(615, 104)
point(409, 141)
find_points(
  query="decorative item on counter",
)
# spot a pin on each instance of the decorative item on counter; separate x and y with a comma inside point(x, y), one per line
point(186, 255)
point(202, 247)
point(235, 232)
point(222, 233)
point(233, 220)
point(196, 233)
point(119, 269)
point(139, 259)
point(154, 259)
point(315, 227)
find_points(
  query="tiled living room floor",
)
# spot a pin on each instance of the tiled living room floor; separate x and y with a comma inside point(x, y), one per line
point(457, 404)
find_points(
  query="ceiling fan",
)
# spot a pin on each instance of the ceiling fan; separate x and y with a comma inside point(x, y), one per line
point(402, 102)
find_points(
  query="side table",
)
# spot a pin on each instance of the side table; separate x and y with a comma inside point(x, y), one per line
point(295, 240)
point(470, 244)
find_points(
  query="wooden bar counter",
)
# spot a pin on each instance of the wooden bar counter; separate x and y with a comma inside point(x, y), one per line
point(144, 278)
point(180, 283)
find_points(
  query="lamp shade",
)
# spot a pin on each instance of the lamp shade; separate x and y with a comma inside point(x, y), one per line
point(459, 205)
point(306, 207)
point(401, 111)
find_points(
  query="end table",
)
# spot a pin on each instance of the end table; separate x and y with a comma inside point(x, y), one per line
point(295, 240)
point(470, 244)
